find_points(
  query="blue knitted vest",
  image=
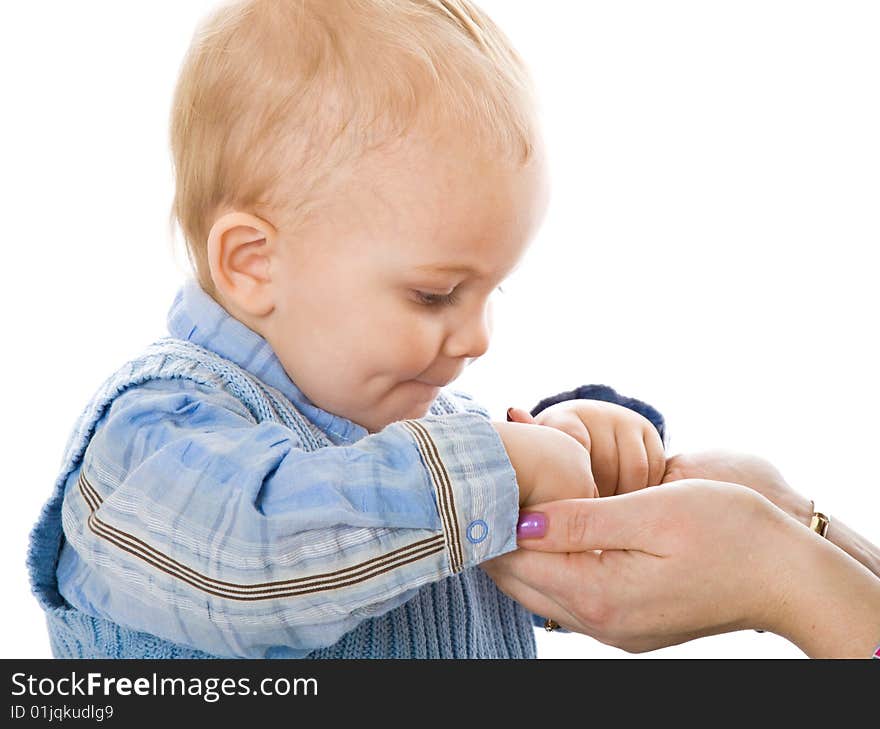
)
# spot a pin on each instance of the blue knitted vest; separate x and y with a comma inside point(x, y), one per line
point(462, 616)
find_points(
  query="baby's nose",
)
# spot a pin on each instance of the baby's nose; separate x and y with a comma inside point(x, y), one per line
point(471, 336)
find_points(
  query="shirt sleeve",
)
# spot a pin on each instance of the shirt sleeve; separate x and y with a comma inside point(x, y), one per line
point(191, 521)
point(607, 394)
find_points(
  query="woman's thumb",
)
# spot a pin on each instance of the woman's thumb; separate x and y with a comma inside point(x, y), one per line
point(580, 525)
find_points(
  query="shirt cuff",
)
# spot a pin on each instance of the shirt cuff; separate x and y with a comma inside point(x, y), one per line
point(475, 487)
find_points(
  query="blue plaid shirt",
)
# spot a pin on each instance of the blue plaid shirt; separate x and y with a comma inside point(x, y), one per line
point(191, 521)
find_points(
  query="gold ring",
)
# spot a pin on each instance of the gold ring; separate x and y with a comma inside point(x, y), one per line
point(550, 625)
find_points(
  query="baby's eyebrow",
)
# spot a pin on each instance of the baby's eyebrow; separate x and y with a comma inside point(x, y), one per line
point(446, 268)
point(455, 268)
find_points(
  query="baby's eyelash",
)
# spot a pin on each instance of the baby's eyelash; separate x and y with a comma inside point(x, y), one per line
point(436, 299)
point(441, 299)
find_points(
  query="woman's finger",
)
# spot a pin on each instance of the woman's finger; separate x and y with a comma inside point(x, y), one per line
point(625, 521)
point(512, 585)
point(518, 415)
point(551, 574)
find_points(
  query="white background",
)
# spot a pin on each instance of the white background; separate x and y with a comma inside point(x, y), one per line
point(711, 245)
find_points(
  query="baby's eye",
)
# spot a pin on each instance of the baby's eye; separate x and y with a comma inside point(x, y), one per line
point(436, 299)
point(441, 299)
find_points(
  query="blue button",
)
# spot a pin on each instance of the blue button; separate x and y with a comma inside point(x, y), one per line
point(477, 531)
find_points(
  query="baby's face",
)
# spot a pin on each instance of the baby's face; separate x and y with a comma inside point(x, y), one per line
point(387, 296)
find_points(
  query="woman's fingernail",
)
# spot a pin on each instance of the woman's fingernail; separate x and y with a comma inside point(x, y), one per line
point(509, 419)
point(531, 525)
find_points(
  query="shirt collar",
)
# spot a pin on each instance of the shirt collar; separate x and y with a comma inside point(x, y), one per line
point(196, 317)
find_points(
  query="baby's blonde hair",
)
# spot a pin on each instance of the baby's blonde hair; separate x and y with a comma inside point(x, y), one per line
point(274, 96)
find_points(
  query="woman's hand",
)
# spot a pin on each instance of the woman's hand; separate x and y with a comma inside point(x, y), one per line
point(690, 559)
point(763, 477)
point(752, 471)
point(680, 561)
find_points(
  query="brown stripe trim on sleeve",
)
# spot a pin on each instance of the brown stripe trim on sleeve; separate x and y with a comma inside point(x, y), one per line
point(258, 591)
point(443, 488)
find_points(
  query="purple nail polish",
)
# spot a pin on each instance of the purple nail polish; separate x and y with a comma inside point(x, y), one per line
point(531, 525)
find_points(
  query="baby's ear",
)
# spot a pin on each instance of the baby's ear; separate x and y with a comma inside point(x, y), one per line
point(239, 246)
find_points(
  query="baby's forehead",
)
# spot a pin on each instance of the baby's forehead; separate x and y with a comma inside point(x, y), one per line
point(419, 175)
point(443, 211)
point(453, 254)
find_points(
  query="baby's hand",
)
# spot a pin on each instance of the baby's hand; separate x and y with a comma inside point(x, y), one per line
point(549, 465)
point(625, 449)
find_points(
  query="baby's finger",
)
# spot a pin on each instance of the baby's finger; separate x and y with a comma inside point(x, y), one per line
point(573, 426)
point(603, 455)
point(633, 466)
point(656, 456)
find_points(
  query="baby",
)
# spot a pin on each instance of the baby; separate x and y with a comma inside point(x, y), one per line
point(287, 474)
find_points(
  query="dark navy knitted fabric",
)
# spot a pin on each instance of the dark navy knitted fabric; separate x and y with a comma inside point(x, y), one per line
point(606, 394)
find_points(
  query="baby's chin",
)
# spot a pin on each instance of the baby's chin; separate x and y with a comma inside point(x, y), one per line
point(411, 400)
point(419, 410)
